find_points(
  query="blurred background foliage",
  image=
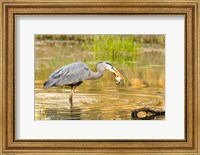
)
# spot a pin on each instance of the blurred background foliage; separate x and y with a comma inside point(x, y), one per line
point(136, 56)
point(143, 39)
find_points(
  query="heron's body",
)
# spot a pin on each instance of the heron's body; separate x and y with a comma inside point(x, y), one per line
point(69, 75)
point(74, 74)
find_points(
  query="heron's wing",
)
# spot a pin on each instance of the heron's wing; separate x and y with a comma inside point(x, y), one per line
point(76, 76)
point(70, 74)
point(57, 73)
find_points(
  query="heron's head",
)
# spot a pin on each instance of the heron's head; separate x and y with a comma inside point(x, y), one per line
point(110, 67)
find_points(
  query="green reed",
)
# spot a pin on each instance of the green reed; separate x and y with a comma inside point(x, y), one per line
point(121, 49)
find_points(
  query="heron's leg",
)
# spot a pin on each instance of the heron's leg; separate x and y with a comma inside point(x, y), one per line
point(71, 95)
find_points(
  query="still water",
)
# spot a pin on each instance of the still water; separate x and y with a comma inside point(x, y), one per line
point(113, 103)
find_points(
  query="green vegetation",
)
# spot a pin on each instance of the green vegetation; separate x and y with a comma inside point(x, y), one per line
point(118, 49)
point(136, 56)
point(113, 48)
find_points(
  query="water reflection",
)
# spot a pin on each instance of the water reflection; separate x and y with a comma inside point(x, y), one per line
point(115, 103)
point(74, 113)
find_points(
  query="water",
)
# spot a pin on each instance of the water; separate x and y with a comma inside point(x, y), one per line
point(113, 103)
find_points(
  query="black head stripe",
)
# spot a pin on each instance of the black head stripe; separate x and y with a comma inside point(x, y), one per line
point(105, 63)
point(109, 63)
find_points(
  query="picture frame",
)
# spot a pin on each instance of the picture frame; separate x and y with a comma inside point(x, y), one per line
point(11, 9)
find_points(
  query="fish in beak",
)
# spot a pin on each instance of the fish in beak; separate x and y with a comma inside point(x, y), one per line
point(118, 76)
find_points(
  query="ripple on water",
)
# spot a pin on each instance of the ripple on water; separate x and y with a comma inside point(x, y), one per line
point(93, 105)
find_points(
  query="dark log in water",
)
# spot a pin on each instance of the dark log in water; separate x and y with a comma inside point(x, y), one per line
point(154, 113)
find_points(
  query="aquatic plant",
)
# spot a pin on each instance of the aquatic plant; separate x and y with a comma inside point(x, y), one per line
point(120, 49)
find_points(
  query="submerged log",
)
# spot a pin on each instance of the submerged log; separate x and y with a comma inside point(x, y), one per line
point(154, 113)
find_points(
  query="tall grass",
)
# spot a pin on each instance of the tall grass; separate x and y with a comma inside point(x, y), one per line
point(113, 48)
point(135, 56)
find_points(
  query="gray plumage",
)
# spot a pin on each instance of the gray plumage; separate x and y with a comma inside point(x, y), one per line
point(74, 74)
point(68, 75)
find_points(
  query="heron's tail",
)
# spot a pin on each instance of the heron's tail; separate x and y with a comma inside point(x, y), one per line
point(45, 84)
point(48, 83)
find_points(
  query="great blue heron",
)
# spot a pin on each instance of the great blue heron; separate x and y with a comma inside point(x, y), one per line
point(74, 74)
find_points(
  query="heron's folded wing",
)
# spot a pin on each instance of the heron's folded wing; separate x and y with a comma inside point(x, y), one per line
point(70, 75)
point(57, 73)
point(75, 75)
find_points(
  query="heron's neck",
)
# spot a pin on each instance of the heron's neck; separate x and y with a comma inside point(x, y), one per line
point(96, 75)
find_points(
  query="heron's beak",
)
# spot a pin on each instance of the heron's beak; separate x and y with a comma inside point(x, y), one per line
point(117, 73)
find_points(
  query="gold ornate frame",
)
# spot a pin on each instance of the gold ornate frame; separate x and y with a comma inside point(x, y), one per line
point(11, 8)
